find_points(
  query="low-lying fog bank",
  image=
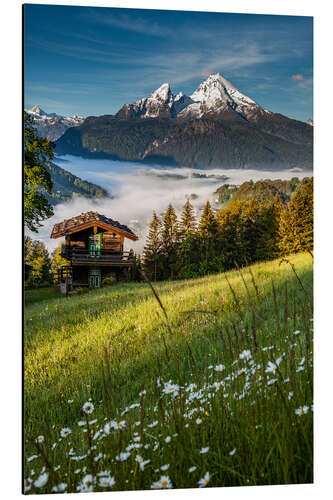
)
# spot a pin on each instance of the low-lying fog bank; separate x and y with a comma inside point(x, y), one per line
point(138, 190)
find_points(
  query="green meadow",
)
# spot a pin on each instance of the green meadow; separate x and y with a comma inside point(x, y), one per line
point(195, 383)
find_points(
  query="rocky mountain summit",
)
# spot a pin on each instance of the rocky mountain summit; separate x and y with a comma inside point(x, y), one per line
point(51, 125)
point(216, 126)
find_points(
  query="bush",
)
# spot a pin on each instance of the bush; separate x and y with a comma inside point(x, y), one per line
point(108, 281)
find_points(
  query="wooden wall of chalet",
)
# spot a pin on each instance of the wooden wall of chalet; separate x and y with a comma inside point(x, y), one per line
point(112, 241)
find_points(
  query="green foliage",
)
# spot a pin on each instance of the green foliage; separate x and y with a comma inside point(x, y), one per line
point(37, 152)
point(187, 224)
point(36, 254)
point(296, 224)
point(152, 251)
point(208, 222)
point(56, 262)
point(109, 281)
point(248, 414)
point(263, 191)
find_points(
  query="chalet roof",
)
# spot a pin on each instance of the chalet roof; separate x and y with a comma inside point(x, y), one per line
point(87, 219)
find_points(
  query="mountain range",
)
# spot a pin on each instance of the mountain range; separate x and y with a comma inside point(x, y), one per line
point(216, 126)
point(51, 125)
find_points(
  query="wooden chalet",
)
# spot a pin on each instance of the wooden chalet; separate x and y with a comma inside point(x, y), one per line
point(94, 247)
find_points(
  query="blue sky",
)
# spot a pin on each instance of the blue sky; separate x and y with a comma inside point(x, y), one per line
point(91, 61)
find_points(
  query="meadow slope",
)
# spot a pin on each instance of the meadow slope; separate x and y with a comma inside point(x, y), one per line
point(249, 333)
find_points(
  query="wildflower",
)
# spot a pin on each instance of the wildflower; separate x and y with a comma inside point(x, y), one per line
point(290, 395)
point(81, 423)
point(87, 484)
point(123, 456)
point(42, 480)
point(302, 410)
point(65, 432)
point(171, 388)
point(167, 439)
point(59, 488)
point(204, 450)
point(40, 439)
point(163, 482)
point(30, 459)
point(118, 425)
point(272, 367)
point(70, 401)
point(198, 421)
point(192, 469)
point(232, 452)
point(219, 368)
point(153, 424)
point(27, 484)
point(245, 354)
point(107, 482)
point(88, 407)
point(99, 456)
point(297, 332)
point(142, 462)
point(165, 467)
point(271, 381)
point(93, 421)
point(204, 480)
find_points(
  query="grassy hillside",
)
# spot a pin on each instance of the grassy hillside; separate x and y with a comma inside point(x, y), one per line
point(225, 366)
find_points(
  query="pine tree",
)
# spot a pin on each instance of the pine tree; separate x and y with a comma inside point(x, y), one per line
point(152, 250)
point(208, 222)
point(170, 239)
point(296, 223)
point(187, 221)
point(170, 230)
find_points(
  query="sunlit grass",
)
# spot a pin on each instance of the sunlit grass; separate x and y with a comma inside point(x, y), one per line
point(207, 328)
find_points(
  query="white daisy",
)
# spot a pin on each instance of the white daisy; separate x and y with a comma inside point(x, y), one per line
point(42, 480)
point(88, 407)
point(204, 480)
point(302, 410)
point(107, 482)
point(65, 432)
point(40, 439)
point(219, 368)
point(171, 388)
point(165, 467)
point(192, 469)
point(245, 354)
point(123, 456)
point(204, 450)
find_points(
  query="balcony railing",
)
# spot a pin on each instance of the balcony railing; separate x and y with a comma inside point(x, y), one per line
point(82, 256)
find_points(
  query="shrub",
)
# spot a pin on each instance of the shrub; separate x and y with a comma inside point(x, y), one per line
point(108, 281)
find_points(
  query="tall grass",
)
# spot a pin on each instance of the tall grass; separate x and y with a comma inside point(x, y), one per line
point(201, 382)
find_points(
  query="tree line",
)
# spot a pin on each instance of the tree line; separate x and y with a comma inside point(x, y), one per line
point(246, 231)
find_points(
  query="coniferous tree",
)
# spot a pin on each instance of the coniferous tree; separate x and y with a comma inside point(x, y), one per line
point(187, 220)
point(296, 223)
point(208, 222)
point(169, 242)
point(152, 250)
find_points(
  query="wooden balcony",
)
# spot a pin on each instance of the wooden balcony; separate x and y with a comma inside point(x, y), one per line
point(99, 258)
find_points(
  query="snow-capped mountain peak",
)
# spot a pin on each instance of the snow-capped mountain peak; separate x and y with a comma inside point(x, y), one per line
point(162, 93)
point(214, 96)
point(51, 125)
